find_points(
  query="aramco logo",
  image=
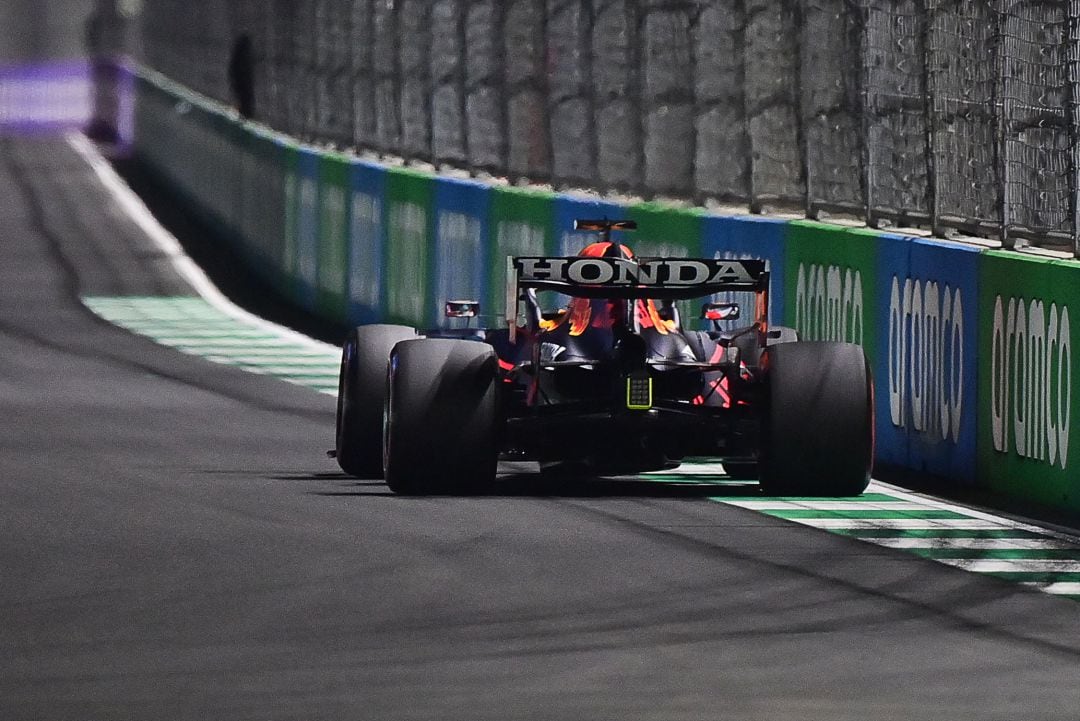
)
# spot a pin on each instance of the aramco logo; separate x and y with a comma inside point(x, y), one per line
point(1031, 380)
point(829, 303)
point(926, 358)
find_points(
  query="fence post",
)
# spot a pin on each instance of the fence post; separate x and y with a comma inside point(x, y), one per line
point(928, 115)
point(1001, 108)
point(638, 53)
point(1072, 54)
point(864, 93)
point(501, 89)
point(462, 27)
point(801, 140)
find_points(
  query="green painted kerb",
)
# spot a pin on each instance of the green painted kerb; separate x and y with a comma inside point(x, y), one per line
point(193, 326)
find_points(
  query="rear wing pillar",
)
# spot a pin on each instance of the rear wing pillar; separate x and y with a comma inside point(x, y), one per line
point(511, 297)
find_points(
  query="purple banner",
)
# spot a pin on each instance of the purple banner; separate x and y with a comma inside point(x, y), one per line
point(46, 97)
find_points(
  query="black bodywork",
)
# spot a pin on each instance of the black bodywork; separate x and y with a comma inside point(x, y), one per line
point(567, 393)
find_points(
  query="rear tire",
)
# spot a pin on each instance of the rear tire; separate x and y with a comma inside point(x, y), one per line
point(782, 334)
point(818, 433)
point(361, 396)
point(442, 417)
point(744, 471)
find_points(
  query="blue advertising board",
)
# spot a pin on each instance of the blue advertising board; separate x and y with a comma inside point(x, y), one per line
point(460, 261)
point(366, 240)
point(749, 238)
point(925, 375)
point(568, 209)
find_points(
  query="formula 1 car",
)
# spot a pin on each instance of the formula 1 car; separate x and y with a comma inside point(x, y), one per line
point(610, 383)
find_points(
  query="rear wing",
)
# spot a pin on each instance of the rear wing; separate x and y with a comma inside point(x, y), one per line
point(674, 278)
point(655, 278)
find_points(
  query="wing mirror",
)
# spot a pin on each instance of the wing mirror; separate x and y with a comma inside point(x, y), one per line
point(462, 308)
point(720, 311)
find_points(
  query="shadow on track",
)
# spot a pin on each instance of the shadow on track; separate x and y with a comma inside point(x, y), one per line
point(524, 484)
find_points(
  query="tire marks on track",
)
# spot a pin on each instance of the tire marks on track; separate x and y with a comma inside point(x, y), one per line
point(885, 516)
point(947, 533)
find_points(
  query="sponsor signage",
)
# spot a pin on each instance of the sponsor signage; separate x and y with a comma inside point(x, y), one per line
point(1027, 395)
point(829, 303)
point(307, 227)
point(1031, 379)
point(651, 274)
point(410, 217)
point(263, 199)
point(333, 236)
point(461, 267)
point(291, 192)
point(666, 232)
point(830, 276)
point(568, 209)
point(728, 238)
point(367, 238)
point(522, 223)
point(925, 377)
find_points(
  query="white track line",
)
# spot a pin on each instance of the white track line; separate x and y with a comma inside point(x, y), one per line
point(135, 209)
point(977, 544)
point(871, 524)
point(1027, 565)
point(1065, 588)
point(827, 505)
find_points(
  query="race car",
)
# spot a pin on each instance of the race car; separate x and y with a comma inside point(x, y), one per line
point(609, 381)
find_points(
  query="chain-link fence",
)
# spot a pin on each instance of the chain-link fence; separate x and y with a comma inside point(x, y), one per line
point(947, 114)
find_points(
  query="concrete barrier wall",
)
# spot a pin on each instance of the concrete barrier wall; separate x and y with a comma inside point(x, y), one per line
point(971, 349)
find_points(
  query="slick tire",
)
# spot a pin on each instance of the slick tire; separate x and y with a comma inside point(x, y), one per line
point(782, 334)
point(818, 434)
point(744, 471)
point(442, 420)
point(361, 396)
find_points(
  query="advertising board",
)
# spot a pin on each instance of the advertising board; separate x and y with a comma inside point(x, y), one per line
point(408, 258)
point(1026, 389)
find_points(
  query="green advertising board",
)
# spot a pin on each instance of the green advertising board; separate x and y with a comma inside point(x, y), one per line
point(291, 227)
point(255, 202)
point(410, 198)
point(1026, 389)
point(332, 295)
point(267, 209)
point(666, 232)
point(830, 275)
point(522, 223)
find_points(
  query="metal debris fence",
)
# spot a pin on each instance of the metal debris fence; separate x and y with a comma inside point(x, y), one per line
point(953, 115)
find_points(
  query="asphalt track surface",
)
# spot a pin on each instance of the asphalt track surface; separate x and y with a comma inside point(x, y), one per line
point(174, 544)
